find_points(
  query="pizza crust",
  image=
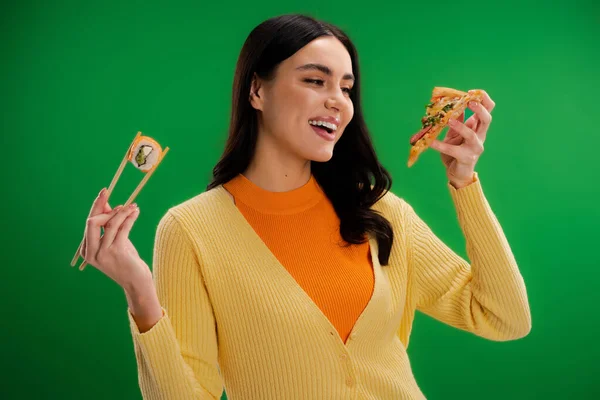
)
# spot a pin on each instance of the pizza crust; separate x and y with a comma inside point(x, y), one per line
point(439, 91)
point(442, 96)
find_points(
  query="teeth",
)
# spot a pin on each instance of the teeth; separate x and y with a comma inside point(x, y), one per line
point(329, 125)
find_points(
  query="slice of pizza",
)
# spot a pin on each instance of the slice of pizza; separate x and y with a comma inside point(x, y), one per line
point(445, 104)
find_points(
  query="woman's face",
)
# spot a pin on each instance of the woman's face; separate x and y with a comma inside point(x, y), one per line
point(310, 86)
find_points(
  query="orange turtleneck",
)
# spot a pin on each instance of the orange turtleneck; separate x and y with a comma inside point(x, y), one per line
point(301, 229)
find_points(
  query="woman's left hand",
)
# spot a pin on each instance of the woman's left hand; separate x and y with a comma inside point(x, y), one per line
point(463, 144)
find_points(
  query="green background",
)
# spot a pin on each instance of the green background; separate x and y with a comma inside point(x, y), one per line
point(78, 80)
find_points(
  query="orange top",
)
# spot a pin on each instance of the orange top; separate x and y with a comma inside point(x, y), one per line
point(301, 229)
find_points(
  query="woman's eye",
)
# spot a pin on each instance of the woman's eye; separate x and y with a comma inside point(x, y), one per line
point(320, 82)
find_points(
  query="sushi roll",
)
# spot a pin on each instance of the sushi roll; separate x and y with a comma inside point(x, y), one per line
point(145, 153)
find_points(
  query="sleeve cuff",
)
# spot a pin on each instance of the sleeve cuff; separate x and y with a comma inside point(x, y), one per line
point(472, 188)
point(157, 327)
point(470, 199)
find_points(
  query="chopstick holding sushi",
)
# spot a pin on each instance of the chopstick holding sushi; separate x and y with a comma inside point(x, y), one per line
point(145, 154)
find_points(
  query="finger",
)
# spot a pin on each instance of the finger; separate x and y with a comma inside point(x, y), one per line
point(472, 122)
point(92, 235)
point(462, 154)
point(487, 101)
point(126, 226)
point(485, 118)
point(464, 131)
point(98, 204)
point(472, 140)
point(106, 209)
point(453, 136)
point(113, 225)
point(446, 148)
point(98, 207)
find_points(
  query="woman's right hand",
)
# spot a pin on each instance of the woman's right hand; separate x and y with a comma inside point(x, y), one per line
point(113, 253)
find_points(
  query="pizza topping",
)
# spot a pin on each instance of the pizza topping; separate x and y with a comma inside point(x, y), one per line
point(432, 119)
point(417, 136)
point(435, 113)
point(448, 107)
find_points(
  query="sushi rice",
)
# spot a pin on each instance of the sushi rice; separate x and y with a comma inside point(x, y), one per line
point(145, 153)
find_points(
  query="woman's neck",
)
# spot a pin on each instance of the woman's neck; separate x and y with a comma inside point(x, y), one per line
point(274, 179)
point(277, 171)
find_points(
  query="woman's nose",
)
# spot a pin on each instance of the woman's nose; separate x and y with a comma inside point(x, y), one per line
point(331, 103)
point(336, 100)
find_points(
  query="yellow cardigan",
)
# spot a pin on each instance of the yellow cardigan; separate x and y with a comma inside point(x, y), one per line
point(235, 319)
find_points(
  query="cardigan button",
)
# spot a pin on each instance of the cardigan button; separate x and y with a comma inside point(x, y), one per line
point(343, 357)
point(349, 381)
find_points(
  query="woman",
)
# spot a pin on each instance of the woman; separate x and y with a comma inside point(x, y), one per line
point(297, 274)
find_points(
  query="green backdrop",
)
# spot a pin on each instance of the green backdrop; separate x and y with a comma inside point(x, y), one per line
point(79, 80)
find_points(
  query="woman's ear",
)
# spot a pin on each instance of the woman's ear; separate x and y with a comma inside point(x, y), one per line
point(255, 93)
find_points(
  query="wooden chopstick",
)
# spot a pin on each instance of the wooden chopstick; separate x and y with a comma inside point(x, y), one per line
point(112, 185)
point(137, 190)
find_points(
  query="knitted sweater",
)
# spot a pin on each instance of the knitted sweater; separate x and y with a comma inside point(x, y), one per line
point(235, 318)
point(338, 278)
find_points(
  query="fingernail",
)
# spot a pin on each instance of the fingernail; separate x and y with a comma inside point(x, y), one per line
point(452, 122)
point(102, 192)
point(132, 206)
point(472, 104)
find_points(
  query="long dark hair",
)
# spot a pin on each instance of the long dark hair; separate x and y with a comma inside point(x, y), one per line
point(353, 179)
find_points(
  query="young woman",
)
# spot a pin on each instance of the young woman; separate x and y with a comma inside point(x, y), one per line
point(297, 273)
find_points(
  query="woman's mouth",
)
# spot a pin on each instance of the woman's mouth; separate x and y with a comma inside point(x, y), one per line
point(325, 132)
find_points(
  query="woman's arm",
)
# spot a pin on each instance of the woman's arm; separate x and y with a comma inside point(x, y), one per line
point(143, 304)
point(176, 355)
point(487, 297)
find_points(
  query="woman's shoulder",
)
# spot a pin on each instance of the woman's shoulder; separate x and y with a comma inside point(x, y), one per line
point(396, 210)
point(391, 203)
point(204, 206)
